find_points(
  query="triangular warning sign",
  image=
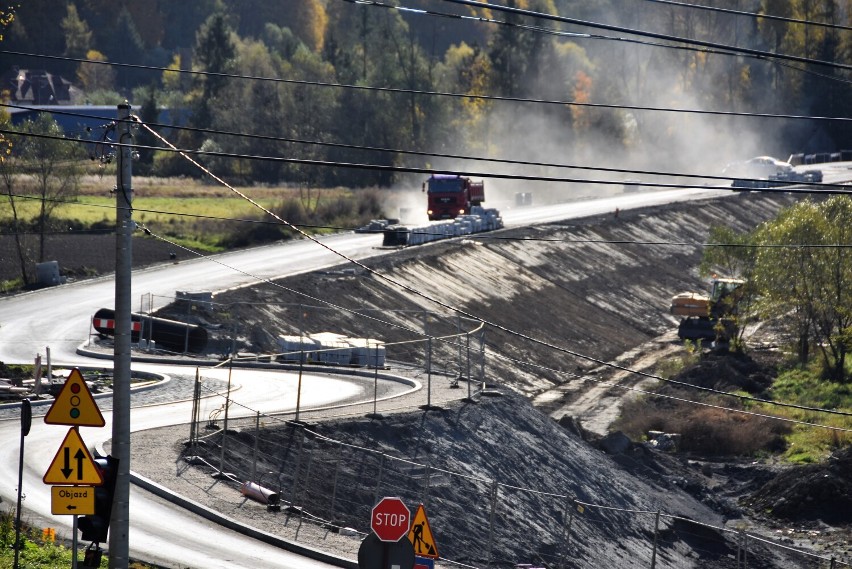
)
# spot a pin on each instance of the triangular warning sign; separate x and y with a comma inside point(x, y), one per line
point(420, 535)
point(73, 464)
point(75, 405)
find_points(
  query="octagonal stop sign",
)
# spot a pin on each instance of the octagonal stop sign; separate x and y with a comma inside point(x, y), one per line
point(390, 519)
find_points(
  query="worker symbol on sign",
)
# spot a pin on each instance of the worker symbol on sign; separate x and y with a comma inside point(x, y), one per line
point(420, 535)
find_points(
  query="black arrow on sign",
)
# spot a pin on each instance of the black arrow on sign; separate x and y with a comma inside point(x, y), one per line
point(80, 456)
point(67, 470)
point(70, 507)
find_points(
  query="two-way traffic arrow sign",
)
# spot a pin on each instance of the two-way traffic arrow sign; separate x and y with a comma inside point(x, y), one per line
point(73, 464)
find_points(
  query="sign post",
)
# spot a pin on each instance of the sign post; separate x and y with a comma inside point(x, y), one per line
point(73, 473)
point(385, 548)
point(390, 519)
point(26, 423)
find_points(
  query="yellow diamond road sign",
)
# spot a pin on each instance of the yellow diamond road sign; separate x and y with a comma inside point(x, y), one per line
point(75, 405)
point(73, 464)
point(72, 500)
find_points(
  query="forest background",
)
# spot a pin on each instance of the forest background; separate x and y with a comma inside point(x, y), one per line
point(306, 49)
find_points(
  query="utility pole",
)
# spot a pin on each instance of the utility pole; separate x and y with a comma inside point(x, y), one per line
point(119, 544)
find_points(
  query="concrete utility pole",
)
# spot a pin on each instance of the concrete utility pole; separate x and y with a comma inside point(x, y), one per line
point(119, 544)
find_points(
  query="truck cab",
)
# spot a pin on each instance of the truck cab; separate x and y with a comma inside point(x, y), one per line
point(451, 195)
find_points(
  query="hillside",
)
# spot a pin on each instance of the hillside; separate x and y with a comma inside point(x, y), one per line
point(559, 299)
point(586, 287)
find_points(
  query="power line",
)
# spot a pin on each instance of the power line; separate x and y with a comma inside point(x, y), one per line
point(458, 310)
point(420, 231)
point(611, 365)
point(419, 153)
point(753, 14)
point(684, 400)
point(461, 312)
point(402, 91)
point(831, 189)
point(575, 35)
point(642, 33)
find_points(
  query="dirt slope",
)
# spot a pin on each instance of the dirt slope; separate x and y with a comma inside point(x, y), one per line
point(559, 299)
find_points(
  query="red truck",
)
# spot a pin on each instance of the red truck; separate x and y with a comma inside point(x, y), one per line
point(450, 196)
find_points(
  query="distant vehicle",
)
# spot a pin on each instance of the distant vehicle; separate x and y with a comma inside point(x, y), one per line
point(765, 172)
point(630, 186)
point(761, 167)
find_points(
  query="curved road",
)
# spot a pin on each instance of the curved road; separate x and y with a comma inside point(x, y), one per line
point(60, 318)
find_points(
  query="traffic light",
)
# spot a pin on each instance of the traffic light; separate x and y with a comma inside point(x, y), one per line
point(94, 528)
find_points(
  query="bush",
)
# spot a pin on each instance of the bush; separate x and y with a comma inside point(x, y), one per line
point(704, 430)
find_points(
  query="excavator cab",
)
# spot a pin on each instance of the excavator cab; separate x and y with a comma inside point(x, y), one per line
point(708, 317)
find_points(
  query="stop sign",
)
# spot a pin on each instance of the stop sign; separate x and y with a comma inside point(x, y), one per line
point(390, 519)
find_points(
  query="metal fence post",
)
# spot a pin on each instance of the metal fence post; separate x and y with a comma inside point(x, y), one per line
point(570, 507)
point(482, 357)
point(298, 465)
point(656, 534)
point(740, 543)
point(457, 340)
point(494, 490)
point(379, 478)
point(428, 476)
point(429, 374)
point(225, 425)
point(254, 451)
point(196, 404)
point(468, 365)
point(334, 487)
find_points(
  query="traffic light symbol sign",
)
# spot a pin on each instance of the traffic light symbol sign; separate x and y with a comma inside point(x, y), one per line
point(75, 405)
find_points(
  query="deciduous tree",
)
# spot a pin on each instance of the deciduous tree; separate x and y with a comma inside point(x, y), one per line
point(805, 274)
point(53, 164)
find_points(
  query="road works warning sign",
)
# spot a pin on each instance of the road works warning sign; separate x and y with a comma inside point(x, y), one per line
point(420, 535)
point(75, 405)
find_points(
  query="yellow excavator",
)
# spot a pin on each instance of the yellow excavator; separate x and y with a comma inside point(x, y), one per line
point(709, 317)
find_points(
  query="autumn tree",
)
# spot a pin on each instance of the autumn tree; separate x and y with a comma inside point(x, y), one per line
point(95, 76)
point(804, 273)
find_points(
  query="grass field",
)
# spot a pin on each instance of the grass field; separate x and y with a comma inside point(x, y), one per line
point(191, 211)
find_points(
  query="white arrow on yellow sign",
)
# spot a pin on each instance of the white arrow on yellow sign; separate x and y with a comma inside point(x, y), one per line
point(73, 464)
point(72, 500)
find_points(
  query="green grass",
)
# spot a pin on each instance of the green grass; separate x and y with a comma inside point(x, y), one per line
point(38, 550)
point(807, 441)
point(206, 218)
point(807, 444)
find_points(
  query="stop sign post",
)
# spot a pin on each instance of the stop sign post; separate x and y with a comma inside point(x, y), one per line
point(390, 519)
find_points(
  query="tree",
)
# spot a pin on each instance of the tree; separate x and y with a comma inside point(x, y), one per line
point(78, 36)
point(124, 44)
point(53, 164)
point(8, 177)
point(215, 51)
point(148, 114)
point(805, 275)
point(95, 76)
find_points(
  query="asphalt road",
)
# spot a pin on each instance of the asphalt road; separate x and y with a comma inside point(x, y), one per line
point(60, 318)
